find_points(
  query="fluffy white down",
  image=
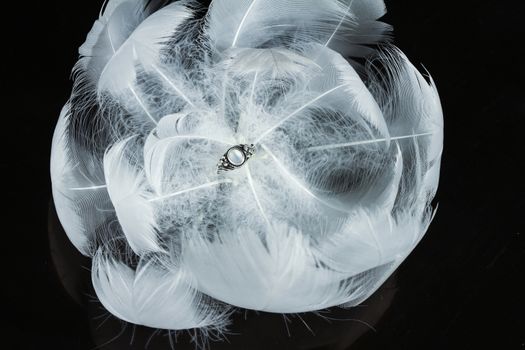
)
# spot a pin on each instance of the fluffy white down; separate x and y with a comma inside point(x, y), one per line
point(336, 196)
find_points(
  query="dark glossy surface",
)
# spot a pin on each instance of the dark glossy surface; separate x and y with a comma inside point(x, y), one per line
point(463, 287)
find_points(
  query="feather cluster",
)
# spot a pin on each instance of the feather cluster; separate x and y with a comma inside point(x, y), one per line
point(348, 137)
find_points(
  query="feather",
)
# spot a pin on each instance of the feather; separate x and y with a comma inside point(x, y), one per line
point(413, 111)
point(336, 85)
point(253, 23)
point(141, 47)
point(335, 196)
point(153, 294)
point(279, 274)
point(109, 32)
point(80, 195)
point(129, 195)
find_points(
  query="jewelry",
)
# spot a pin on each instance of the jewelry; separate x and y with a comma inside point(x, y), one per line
point(235, 157)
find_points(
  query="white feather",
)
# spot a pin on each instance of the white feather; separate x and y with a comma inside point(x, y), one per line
point(336, 196)
point(277, 273)
point(141, 48)
point(252, 23)
point(81, 198)
point(154, 295)
point(129, 194)
point(109, 32)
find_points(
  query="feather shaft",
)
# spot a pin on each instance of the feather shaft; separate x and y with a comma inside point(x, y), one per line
point(298, 183)
point(303, 107)
point(241, 25)
point(367, 142)
point(196, 188)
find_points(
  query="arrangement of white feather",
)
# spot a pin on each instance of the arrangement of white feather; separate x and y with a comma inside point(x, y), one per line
point(336, 196)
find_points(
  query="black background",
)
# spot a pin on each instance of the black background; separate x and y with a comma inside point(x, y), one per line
point(462, 287)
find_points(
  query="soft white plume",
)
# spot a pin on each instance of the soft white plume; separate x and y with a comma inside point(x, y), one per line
point(154, 294)
point(79, 190)
point(335, 197)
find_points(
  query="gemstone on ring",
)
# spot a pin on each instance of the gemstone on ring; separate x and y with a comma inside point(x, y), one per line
point(236, 156)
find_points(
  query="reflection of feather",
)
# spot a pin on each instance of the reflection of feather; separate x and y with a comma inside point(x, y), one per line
point(335, 197)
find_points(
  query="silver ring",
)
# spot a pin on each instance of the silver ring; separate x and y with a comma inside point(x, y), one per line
point(235, 157)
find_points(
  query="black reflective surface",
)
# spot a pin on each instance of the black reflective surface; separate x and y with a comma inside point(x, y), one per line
point(463, 286)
